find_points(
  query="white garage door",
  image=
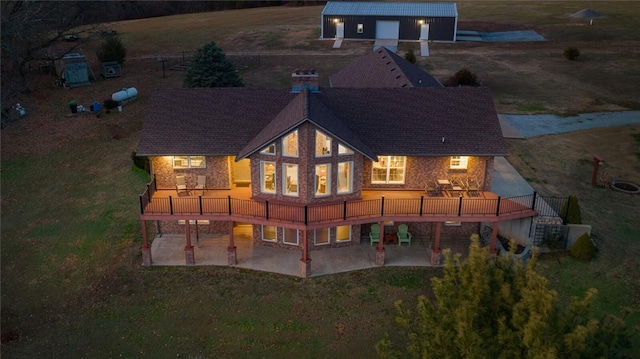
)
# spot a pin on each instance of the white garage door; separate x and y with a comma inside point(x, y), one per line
point(387, 29)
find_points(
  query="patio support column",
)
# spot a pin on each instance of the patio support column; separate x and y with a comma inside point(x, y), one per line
point(231, 250)
point(380, 246)
point(493, 248)
point(305, 261)
point(146, 250)
point(436, 253)
point(189, 258)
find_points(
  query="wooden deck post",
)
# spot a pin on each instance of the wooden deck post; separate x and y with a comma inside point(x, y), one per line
point(436, 254)
point(305, 261)
point(189, 257)
point(146, 250)
point(231, 250)
point(380, 248)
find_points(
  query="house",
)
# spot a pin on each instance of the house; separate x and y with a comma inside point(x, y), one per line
point(308, 168)
point(395, 21)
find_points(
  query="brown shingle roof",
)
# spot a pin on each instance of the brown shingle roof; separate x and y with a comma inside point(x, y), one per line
point(232, 121)
point(382, 69)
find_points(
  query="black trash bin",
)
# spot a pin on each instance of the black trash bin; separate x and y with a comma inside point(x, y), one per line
point(73, 105)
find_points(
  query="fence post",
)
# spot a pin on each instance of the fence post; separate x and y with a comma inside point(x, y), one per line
point(344, 211)
point(498, 207)
point(141, 206)
point(170, 205)
point(155, 183)
point(306, 215)
point(229, 203)
point(421, 204)
point(533, 205)
point(267, 208)
point(149, 191)
point(566, 212)
point(200, 203)
point(460, 207)
point(382, 207)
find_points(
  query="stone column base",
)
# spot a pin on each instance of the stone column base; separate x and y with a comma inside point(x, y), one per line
point(146, 257)
point(231, 256)
point(189, 258)
point(305, 268)
point(379, 256)
point(436, 257)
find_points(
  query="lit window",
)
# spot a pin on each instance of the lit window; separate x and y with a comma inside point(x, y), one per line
point(268, 177)
point(290, 183)
point(290, 144)
point(269, 233)
point(389, 169)
point(459, 162)
point(189, 162)
point(360, 28)
point(193, 221)
point(321, 236)
point(269, 150)
point(290, 236)
point(323, 180)
point(345, 177)
point(342, 150)
point(343, 233)
point(323, 145)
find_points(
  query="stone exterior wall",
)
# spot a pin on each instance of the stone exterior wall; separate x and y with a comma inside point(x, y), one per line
point(214, 227)
point(217, 171)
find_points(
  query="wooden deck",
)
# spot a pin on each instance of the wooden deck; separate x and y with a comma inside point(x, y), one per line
point(375, 205)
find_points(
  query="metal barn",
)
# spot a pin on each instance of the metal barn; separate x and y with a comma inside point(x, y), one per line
point(389, 20)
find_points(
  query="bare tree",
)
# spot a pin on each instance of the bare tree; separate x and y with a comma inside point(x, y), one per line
point(29, 28)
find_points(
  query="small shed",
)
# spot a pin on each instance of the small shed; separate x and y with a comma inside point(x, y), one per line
point(75, 70)
point(416, 21)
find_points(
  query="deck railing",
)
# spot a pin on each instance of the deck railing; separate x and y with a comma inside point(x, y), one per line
point(422, 206)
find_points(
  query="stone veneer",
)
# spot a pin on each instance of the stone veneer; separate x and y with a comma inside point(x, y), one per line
point(217, 170)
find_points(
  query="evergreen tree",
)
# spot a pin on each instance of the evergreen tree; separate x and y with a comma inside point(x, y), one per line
point(112, 49)
point(499, 308)
point(211, 68)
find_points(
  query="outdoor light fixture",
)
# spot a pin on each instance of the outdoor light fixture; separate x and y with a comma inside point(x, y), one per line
point(335, 20)
point(420, 22)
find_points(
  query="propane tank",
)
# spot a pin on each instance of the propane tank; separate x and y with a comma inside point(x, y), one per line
point(125, 94)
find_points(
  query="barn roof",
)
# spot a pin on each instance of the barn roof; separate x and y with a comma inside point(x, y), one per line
point(414, 9)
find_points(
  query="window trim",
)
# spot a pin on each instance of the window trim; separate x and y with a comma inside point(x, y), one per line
point(284, 144)
point(275, 232)
point(264, 151)
point(463, 162)
point(344, 240)
point(328, 148)
point(327, 180)
point(188, 158)
point(347, 151)
point(349, 181)
point(384, 160)
point(315, 237)
point(285, 183)
point(263, 180)
point(284, 236)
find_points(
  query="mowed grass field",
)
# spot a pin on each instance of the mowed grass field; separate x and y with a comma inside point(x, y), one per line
point(72, 284)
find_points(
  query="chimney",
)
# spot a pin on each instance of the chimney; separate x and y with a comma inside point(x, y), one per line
point(305, 79)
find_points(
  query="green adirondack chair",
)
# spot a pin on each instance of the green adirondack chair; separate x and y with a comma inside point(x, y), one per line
point(403, 234)
point(374, 233)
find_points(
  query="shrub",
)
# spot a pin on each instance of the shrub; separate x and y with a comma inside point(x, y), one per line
point(464, 77)
point(112, 49)
point(584, 249)
point(410, 56)
point(142, 162)
point(571, 53)
point(572, 212)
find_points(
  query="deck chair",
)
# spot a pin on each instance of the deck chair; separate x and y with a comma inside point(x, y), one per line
point(374, 234)
point(404, 236)
point(473, 188)
point(181, 185)
point(202, 184)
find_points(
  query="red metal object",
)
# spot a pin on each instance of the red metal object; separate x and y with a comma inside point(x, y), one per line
point(597, 161)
